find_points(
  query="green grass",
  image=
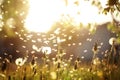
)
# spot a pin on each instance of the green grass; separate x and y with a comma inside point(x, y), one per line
point(64, 73)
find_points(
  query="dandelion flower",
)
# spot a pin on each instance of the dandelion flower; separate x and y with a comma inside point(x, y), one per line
point(53, 75)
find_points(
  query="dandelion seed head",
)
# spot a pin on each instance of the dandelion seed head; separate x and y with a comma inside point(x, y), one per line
point(111, 40)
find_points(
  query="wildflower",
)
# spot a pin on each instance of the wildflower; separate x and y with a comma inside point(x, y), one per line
point(53, 75)
point(80, 79)
point(100, 73)
point(96, 61)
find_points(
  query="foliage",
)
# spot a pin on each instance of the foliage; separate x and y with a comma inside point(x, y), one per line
point(113, 8)
point(14, 12)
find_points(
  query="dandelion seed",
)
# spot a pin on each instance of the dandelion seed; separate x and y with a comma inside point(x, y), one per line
point(21, 38)
point(16, 33)
point(8, 2)
point(73, 44)
point(10, 23)
point(70, 37)
point(85, 51)
point(53, 59)
point(99, 47)
point(39, 40)
point(69, 44)
point(11, 44)
point(54, 50)
point(63, 40)
point(25, 41)
point(44, 39)
point(72, 31)
point(30, 36)
point(38, 34)
point(32, 52)
point(57, 31)
point(33, 41)
point(24, 2)
point(82, 57)
point(70, 58)
point(65, 35)
point(24, 46)
point(5, 54)
point(101, 43)
point(80, 43)
point(5, 36)
point(22, 13)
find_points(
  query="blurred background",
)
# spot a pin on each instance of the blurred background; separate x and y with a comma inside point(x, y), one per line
point(72, 26)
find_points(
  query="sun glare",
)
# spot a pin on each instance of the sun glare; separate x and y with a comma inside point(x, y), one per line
point(44, 13)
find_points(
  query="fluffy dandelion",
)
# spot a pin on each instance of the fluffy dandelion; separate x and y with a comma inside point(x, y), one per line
point(46, 50)
point(20, 61)
point(112, 40)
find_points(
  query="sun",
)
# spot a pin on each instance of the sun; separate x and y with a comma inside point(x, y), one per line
point(44, 13)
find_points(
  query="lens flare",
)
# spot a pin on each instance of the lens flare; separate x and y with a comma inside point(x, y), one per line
point(42, 14)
